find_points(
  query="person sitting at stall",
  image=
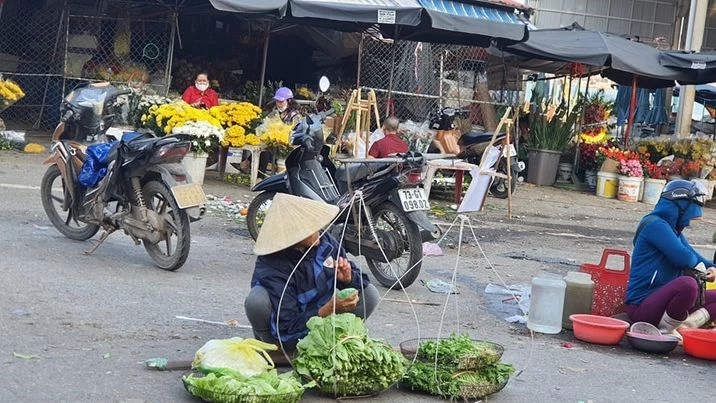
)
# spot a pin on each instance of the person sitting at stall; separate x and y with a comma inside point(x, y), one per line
point(391, 144)
point(660, 289)
point(286, 110)
point(200, 95)
point(298, 272)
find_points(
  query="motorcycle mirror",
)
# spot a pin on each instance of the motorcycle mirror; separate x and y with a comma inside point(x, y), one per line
point(324, 84)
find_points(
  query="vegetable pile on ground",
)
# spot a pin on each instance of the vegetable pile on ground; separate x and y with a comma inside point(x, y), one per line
point(240, 370)
point(340, 357)
point(457, 367)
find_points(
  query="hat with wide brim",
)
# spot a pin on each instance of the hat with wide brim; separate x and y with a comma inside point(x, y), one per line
point(289, 220)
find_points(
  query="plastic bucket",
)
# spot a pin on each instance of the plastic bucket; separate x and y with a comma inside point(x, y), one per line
point(629, 187)
point(607, 185)
point(564, 174)
point(652, 190)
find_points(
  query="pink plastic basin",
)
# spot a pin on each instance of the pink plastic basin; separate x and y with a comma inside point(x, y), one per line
point(598, 329)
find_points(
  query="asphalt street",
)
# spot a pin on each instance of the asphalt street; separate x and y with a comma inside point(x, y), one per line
point(76, 328)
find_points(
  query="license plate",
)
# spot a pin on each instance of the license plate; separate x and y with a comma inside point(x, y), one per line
point(413, 199)
point(513, 151)
point(189, 195)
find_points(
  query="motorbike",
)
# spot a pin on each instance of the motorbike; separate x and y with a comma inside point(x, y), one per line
point(145, 191)
point(472, 146)
point(393, 202)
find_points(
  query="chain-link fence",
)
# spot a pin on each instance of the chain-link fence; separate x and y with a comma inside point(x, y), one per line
point(413, 78)
point(48, 52)
point(31, 54)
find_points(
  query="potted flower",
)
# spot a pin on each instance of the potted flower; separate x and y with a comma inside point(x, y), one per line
point(654, 182)
point(630, 179)
point(204, 137)
point(551, 132)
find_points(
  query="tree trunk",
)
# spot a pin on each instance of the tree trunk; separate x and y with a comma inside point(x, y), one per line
point(489, 117)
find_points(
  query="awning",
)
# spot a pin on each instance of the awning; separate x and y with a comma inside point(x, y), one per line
point(469, 22)
point(701, 65)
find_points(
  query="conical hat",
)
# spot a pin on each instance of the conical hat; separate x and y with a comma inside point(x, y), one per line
point(289, 220)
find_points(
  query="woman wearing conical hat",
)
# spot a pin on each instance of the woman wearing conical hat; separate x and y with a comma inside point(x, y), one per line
point(290, 231)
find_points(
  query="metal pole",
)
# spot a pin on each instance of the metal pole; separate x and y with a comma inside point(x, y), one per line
point(360, 60)
point(263, 67)
point(632, 109)
point(694, 39)
point(170, 53)
point(440, 83)
point(392, 73)
point(575, 166)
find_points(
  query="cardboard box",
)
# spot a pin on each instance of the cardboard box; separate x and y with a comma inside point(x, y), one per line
point(610, 165)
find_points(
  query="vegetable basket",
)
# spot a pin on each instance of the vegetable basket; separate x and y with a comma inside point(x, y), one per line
point(480, 390)
point(486, 353)
point(218, 397)
point(348, 389)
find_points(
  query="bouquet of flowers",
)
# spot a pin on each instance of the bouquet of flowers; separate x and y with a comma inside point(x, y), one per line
point(10, 93)
point(654, 171)
point(596, 114)
point(631, 167)
point(418, 136)
point(276, 136)
point(691, 169)
point(164, 118)
point(244, 114)
point(235, 136)
point(588, 156)
point(204, 136)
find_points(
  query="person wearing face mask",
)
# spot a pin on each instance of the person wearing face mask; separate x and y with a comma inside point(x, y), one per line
point(200, 95)
point(663, 288)
point(287, 112)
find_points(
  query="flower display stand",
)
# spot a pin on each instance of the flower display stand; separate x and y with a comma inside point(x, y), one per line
point(255, 155)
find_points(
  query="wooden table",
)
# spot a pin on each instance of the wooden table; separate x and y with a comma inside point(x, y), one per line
point(255, 157)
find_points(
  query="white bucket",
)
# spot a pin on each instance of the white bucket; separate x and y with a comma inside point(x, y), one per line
point(564, 174)
point(607, 185)
point(629, 188)
point(653, 189)
point(195, 166)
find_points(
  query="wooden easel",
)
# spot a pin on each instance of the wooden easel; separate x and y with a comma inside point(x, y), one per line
point(503, 154)
point(361, 108)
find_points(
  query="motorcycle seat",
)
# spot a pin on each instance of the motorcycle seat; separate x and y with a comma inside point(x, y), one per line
point(356, 171)
point(143, 143)
point(477, 138)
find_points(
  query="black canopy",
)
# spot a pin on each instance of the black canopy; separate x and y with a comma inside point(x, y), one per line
point(622, 59)
point(701, 65)
point(442, 21)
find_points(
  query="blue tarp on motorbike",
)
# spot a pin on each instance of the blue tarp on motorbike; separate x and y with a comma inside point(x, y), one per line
point(95, 166)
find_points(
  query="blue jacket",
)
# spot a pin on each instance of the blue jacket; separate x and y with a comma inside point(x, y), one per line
point(661, 251)
point(310, 287)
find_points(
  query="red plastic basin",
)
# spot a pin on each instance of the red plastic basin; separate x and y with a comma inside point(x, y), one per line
point(598, 329)
point(699, 343)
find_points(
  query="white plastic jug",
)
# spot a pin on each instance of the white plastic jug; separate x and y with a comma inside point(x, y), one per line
point(546, 303)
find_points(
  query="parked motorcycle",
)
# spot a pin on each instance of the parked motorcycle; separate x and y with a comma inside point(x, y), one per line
point(393, 202)
point(473, 144)
point(145, 192)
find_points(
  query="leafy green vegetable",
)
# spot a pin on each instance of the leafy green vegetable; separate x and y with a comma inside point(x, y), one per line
point(451, 384)
point(345, 293)
point(227, 386)
point(459, 350)
point(345, 361)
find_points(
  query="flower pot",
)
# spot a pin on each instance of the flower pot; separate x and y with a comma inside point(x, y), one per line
point(564, 173)
point(629, 188)
point(590, 178)
point(195, 166)
point(543, 166)
point(652, 190)
point(607, 184)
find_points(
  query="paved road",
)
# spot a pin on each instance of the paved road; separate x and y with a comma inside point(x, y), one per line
point(76, 328)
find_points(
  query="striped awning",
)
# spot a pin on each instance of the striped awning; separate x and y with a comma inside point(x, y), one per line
point(471, 18)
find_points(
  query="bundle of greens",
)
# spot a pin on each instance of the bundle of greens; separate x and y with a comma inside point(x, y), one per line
point(460, 350)
point(340, 357)
point(450, 384)
point(227, 386)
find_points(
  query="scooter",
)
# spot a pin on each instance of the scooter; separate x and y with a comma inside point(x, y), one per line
point(392, 202)
point(473, 144)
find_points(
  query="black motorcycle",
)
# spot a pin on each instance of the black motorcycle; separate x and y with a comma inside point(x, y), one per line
point(473, 145)
point(141, 186)
point(393, 202)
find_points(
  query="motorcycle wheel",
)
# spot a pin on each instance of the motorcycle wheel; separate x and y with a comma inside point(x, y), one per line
point(391, 218)
point(257, 212)
point(171, 253)
point(499, 185)
point(54, 192)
